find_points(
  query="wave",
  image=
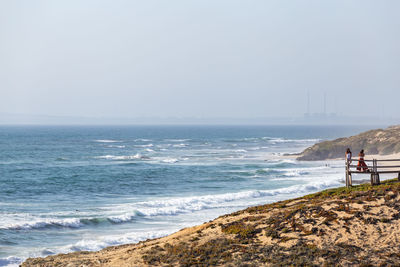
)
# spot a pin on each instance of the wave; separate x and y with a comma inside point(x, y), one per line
point(90, 245)
point(169, 160)
point(62, 159)
point(138, 156)
point(192, 204)
point(107, 141)
point(180, 145)
point(267, 171)
point(49, 223)
point(172, 207)
point(128, 157)
point(281, 163)
point(288, 172)
point(177, 140)
point(106, 241)
point(146, 145)
point(44, 223)
point(295, 173)
point(125, 217)
point(283, 140)
point(117, 146)
point(11, 261)
point(272, 140)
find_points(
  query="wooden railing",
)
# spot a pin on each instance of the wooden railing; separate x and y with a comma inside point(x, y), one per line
point(374, 169)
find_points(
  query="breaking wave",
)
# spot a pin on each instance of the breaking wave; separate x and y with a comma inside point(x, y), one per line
point(43, 223)
point(107, 141)
point(174, 206)
point(128, 157)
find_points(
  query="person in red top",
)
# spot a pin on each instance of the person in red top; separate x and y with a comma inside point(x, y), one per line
point(361, 166)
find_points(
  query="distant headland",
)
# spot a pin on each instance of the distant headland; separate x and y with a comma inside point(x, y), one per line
point(377, 142)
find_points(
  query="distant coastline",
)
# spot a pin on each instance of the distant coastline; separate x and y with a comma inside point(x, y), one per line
point(378, 142)
point(44, 119)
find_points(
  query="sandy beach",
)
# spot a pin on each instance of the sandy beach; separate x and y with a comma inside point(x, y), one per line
point(341, 226)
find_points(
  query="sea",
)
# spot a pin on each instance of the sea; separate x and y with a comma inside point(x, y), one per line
point(74, 188)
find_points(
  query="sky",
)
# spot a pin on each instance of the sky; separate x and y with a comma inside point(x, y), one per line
point(203, 59)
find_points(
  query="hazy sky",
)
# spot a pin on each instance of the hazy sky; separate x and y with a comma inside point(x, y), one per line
point(205, 58)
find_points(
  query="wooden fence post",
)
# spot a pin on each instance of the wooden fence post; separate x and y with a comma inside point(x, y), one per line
point(377, 180)
point(374, 173)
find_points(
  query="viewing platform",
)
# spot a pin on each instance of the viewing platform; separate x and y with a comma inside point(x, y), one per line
point(373, 167)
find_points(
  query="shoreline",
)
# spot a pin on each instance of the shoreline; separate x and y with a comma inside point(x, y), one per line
point(273, 195)
point(337, 219)
point(280, 156)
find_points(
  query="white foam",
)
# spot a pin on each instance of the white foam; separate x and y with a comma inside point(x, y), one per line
point(125, 217)
point(282, 161)
point(177, 140)
point(30, 223)
point(127, 157)
point(273, 140)
point(105, 157)
point(94, 244)
point(11, 261)
point(174, 206)
point(91, 244)
point(147, 145)
point(283, 140)
point(170, 160)
point(180, 145)
point(300, 171)
point(42, 223)
point(112, 240)
point(121, 218)
point(295, 173)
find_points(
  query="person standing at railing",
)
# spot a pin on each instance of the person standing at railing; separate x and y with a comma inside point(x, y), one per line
point(348, 156)
point(361, 166)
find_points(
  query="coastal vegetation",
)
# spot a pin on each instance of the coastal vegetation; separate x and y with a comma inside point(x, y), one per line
point(379, 141)
point(336, 227)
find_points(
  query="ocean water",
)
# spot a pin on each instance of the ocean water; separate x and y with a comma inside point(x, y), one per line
point(65, 189)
